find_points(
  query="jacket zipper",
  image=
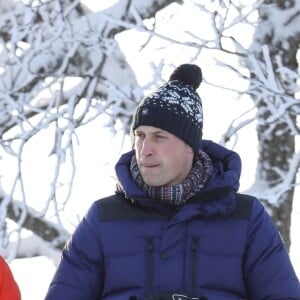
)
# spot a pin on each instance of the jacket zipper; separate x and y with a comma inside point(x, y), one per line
point(150, 269)
point(194, 263)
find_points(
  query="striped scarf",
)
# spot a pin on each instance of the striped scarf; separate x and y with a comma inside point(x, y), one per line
point(178, 194)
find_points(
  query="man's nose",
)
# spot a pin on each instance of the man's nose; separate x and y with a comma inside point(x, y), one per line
point(147, 147)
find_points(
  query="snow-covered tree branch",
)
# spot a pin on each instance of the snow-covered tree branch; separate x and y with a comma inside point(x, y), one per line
point(62, 68)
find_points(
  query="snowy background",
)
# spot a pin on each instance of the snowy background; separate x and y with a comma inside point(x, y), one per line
point(96, 157)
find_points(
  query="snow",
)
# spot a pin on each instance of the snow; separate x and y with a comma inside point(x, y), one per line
point(34, 274)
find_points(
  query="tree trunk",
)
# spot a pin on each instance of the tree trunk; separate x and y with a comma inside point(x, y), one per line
point(275, 151)
point(276, 136)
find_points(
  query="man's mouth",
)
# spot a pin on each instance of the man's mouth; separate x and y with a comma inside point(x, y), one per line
point(149, 166)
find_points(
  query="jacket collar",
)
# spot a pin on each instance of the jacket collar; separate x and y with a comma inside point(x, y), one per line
point(220, 188)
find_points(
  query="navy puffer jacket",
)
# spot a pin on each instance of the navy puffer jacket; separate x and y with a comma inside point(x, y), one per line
point(220, 245)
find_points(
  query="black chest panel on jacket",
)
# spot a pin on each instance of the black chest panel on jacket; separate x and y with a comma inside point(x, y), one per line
point(117, 207)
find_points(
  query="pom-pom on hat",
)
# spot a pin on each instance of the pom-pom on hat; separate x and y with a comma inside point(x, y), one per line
point(175, 106)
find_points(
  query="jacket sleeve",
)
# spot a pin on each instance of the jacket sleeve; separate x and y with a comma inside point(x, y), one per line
point(80, 272)
point(9, 289)
point(268, 271)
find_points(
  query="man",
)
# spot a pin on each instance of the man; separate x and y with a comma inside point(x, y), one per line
point(9, 289)
point(176, 228)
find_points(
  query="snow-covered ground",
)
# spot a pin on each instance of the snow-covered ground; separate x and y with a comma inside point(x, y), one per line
point(33, 276)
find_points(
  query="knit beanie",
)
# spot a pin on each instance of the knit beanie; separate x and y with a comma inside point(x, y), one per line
point(175, 106)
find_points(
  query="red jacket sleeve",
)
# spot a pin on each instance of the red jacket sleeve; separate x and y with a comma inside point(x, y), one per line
point(9, 289)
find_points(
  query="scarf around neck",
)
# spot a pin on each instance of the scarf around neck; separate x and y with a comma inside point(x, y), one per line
point(201, 170)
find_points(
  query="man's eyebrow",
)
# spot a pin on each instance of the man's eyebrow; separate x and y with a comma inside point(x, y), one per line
point(159, 132)
point(136, 130)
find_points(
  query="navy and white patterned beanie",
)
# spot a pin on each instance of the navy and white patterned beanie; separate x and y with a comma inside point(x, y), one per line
point(175, 106)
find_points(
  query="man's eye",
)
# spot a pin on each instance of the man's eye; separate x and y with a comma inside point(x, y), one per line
point(139, 135)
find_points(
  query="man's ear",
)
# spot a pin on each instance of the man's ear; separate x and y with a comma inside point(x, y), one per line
point(190, 149)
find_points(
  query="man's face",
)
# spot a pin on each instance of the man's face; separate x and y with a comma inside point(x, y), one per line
point(162, 158)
